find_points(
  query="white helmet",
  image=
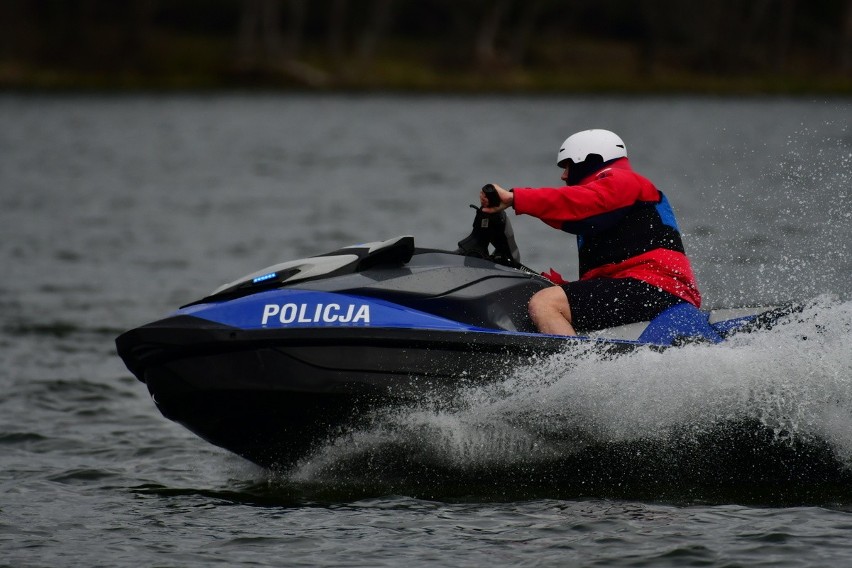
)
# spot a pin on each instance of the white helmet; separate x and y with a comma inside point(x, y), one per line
point(577, 147)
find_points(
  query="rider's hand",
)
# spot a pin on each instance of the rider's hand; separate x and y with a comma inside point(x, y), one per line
point(507, 198)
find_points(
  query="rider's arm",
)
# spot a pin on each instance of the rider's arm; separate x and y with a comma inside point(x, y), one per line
point(608, 195)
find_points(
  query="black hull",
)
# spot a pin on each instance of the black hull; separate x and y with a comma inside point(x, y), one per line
point(271, 395)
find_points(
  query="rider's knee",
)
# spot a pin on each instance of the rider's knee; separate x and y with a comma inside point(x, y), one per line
point(548, 300)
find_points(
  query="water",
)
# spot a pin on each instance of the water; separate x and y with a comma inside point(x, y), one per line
point(114, 210)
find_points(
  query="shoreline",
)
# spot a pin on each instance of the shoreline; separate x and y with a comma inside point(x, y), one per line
point(19, 78)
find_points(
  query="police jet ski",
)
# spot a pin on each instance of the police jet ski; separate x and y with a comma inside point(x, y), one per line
point(273, 364)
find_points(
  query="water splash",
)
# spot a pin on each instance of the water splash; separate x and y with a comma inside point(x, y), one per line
point(775, 224)
point(781, 398)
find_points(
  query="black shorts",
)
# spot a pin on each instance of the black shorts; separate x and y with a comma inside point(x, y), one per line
point(599, 303)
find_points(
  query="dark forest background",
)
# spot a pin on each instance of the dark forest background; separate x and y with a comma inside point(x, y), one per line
point(453, 45)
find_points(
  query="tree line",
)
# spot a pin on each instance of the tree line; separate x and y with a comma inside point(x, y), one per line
point(327, 42)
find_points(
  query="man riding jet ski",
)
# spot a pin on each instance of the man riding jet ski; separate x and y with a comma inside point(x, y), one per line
point(276, 362)
point(632, 261)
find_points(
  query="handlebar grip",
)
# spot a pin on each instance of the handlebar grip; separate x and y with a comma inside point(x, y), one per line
point(491, 195)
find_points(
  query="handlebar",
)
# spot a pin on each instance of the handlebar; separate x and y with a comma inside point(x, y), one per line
point(491, 195)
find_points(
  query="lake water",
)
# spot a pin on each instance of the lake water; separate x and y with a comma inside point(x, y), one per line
point(115, 210)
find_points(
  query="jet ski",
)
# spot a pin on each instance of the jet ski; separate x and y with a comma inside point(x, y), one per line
point(273, 364)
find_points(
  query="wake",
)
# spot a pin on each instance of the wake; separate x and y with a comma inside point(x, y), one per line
point(765, 410)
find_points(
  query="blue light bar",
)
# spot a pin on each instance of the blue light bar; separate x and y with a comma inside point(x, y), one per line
point(264, 278)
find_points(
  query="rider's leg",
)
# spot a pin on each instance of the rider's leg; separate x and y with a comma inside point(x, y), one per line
point(550, 311)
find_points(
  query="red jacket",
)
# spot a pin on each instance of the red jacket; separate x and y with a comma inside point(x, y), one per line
point(625, 228)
